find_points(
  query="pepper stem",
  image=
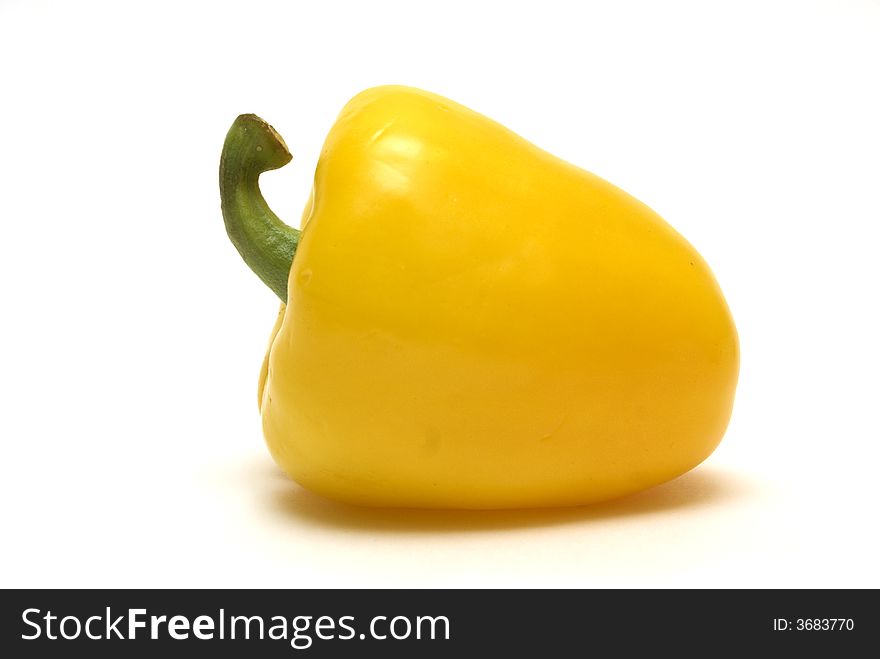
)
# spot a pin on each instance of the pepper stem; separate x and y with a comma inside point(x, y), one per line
point(265, 243)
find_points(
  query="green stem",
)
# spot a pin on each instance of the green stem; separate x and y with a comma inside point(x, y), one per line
point(265, 243)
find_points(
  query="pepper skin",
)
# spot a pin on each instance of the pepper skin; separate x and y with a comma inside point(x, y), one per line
point(472, 322)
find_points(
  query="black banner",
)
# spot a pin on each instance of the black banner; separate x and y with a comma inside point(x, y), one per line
point(289, 623)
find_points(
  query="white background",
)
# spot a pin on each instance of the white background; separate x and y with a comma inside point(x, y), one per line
point(132, 334)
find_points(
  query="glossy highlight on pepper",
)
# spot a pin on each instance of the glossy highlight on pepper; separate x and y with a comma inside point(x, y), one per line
point(470, 322)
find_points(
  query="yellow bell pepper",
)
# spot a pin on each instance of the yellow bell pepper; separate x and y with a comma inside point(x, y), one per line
point(470, 322)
